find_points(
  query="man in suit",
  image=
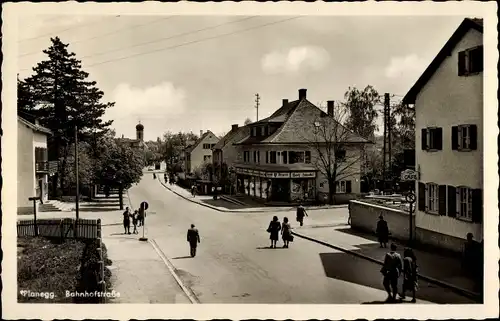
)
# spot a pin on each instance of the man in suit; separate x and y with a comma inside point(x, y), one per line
point(193, 237)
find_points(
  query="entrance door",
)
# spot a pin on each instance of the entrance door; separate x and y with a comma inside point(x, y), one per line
point(280, 190)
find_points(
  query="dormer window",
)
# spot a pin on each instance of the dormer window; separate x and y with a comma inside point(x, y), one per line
point(254, 131)
point(470, 61)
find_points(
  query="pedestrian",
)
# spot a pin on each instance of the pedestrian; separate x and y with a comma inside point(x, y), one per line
point(106, 191)
point(391, 270)
point(382, 232)
point(135, 218)
point(301, 212)
point(274, 229)
point(286, 233)
point(410, 274)
point(193, 237)
point(126, 221)
point(193, 190)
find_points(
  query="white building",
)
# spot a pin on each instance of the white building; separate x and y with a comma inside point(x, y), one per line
point(448, 101)
point(200, 152)
point(32, 164)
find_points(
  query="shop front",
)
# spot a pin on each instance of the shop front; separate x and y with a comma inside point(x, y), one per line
point(284, 186)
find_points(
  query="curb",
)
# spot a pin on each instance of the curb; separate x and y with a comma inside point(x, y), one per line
point(188, 292)
point(471, 295)
point(249, 211)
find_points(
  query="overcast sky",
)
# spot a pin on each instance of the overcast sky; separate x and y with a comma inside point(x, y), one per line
point(202, 72)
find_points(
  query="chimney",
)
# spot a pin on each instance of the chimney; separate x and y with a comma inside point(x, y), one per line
point(302, 94)
point(201, 132)
point(123, 136)
point(330, 105)
point(234, 127)
point(285, 102)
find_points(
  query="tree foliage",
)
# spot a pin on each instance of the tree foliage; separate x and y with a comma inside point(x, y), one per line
point(173, 146)
point(362, 115)
point(247, 121)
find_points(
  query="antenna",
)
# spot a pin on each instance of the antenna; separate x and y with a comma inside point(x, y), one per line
point(257, 103)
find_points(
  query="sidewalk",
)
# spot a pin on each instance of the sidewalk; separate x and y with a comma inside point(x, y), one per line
point(366, 246)
point(225, 206)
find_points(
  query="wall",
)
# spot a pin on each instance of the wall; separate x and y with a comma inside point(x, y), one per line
point(365, 216)
point(39, 140)
point(230, 152)
point(445, 101)
point(25, 168)
point(198, 153)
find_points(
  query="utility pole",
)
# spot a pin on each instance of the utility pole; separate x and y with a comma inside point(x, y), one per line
point(387, 138)
point(76, 173)
point(257, 103)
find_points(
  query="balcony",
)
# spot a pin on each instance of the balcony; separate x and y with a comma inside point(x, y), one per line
point(42, 166)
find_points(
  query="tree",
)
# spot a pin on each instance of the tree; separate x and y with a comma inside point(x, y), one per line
point(361, 111)
point(332, 150)
point(247, 121)
point(173, 145)
point(61, 97)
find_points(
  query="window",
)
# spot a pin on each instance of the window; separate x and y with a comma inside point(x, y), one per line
point(464, 203)
point(212, 146)
point(343, 186)
point(470, 61)
point(246, 156)
point(266, 131)
point(206, 158)
point(272, 157)
point(278, 158)
point(432, 138)
point(296, 157)
point(285, 157)
point(262, 131)
point(340, 154)
point(258, 157)
point(267, 157)
point(254, 131)
point(464, 137)
point(432, 198)
point(208, 146)
point(308, 157)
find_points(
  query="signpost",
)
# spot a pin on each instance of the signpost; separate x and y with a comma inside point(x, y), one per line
point(34, 199)
point(142, 210)
point(410, 175)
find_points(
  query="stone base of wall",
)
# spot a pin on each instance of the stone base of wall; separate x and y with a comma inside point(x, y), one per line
point(433, 240)
point(28, 210)
point(339, 199)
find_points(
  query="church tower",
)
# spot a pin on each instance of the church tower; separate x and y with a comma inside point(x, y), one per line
point(139, 129)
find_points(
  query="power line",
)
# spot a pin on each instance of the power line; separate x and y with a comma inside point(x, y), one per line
point(70, 28)
point(106, 34)
point(163, 39)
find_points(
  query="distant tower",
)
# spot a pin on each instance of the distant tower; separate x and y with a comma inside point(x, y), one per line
point(139, 129)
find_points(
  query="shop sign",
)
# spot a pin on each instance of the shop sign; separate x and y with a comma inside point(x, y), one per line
point(239, 170)
point(304, 175)
point(269, 175)
point(279, 175)
point(262, 174)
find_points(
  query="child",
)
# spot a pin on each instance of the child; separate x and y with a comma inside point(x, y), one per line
point(135, 218)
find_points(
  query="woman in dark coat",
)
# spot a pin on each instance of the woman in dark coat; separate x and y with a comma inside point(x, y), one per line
point(274, 229)
point(286, 234)
point(382, 232)
point(410, 274)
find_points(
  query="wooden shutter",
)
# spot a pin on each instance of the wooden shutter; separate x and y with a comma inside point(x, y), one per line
point(267, 157)
point(438, 138)
point(477, 206)
point(452, 201)
point(348, 187)
point(424, 139)
point(454, 138)
point(442, 200)
point(421, 196)
point(473, 137)
point(461, 63)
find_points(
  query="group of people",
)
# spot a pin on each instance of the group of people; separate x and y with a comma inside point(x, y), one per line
point(275, 227)
point(137, 220)
point(392, 269)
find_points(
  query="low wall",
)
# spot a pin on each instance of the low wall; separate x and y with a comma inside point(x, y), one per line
point(364, 217)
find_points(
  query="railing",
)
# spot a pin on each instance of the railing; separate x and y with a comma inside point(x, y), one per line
point(62, 228)
point(41, 166)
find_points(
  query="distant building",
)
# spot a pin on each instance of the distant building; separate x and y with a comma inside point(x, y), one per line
point(200, 152)
point(277, 162)
point(32, 164)
point(448, 102)
point(138, 142)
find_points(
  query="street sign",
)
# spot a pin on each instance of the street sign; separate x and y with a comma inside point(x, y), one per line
point(410, 197)
point(409, 175)
point(144, 205)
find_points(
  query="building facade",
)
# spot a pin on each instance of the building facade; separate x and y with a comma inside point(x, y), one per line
point(32, 164)
point(200, 152)
point(283, 157)
point(448, 101)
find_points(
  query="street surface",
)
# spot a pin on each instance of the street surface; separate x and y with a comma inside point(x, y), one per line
point(235, 265)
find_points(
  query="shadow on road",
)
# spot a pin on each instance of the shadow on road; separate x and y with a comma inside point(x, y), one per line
point(181, 257)
point(269, 248)
point(222, 203)
point(99, 209)
point(103, 204)
point(349, 268)
point(385, 302)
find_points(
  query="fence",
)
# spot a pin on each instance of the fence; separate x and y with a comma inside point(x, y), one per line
point(62, 228)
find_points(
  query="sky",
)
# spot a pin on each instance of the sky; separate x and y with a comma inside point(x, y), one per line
point(192, 73)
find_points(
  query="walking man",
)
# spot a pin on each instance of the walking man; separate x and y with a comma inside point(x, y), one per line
point(193, 237)
point(126, 221)
point(382, 231)
point(391, 270)
point(301, 212)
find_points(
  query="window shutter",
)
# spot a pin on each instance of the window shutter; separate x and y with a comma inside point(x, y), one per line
point(348, 186)
point(461, 63)
point(454, 138)
point(438, 138)
point(424, 138)
point(267, 157)
point(477, 206)
point(421, 196)
point(473, 137)
point(442, 200)
point(452, 201)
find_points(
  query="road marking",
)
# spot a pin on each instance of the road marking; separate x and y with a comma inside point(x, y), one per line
point(189, 293)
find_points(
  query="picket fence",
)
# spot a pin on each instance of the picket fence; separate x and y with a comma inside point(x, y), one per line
point(60, 228)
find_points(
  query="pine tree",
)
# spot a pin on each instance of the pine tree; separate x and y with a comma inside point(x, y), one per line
point(61, 96)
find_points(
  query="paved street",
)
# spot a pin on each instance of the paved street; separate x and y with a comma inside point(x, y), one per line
point(234, 266)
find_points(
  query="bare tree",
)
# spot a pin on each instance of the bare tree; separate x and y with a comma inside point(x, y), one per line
point(335, 149)
point(247, 121)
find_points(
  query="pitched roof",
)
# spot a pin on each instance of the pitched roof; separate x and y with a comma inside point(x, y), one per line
point(465, 26)
point(288, 133)
point(192, 147)
point(35, 127)
point(230, 136)
point(280, 115)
